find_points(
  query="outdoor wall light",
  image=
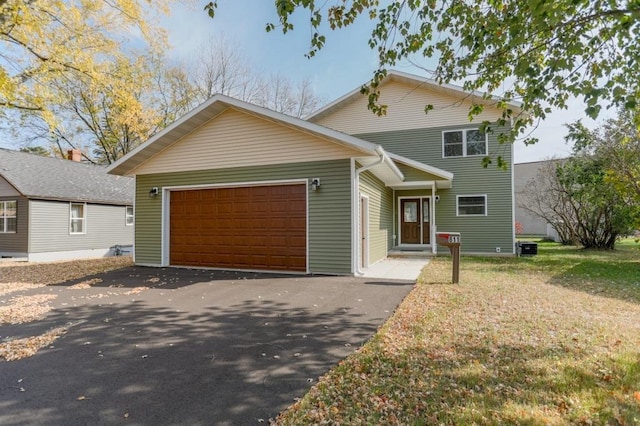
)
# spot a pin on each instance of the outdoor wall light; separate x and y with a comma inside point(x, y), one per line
point(153, 192)
point(315, 184)
point(437, 198)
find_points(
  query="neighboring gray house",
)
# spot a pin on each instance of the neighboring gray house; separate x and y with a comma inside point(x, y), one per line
point(523, 173)
point(54, 209)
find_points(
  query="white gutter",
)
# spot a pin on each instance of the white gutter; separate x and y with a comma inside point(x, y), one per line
point(356, 200)
point(388, 161)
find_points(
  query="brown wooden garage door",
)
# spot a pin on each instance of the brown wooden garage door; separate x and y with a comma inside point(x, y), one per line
point(256, 227)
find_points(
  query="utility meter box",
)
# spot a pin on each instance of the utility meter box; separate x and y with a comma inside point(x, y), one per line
point(451, 240)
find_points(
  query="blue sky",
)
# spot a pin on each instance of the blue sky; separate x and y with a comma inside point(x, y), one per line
point(342, 65)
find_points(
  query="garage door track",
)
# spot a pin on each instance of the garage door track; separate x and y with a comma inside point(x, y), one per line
point(180, 346)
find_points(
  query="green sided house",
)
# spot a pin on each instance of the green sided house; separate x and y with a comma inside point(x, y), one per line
point(232, 185)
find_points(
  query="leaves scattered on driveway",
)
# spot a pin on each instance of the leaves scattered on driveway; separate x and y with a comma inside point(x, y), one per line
point(18, 277)
point(24, 309)
point(24, 348)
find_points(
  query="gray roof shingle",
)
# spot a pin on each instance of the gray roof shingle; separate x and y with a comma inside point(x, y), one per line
point(48, 178)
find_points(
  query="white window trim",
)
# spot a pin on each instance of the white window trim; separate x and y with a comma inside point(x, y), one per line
point(84, 218)
point(464, 143)
point(486, 205)
point(127, 216)
point(4, 218)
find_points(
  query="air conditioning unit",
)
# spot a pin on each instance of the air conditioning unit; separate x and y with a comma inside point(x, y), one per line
point(527, 248)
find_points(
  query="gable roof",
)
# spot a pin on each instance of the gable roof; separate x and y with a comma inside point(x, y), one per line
point(415, 80)
point(443, 179)
point(48, 178)
point(216, 105)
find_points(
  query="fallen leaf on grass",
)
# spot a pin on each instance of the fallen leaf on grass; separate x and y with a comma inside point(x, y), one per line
point(636, 395)
point(58, 272)
point(14, 350)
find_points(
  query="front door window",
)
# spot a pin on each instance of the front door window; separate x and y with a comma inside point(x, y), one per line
point(410, 211)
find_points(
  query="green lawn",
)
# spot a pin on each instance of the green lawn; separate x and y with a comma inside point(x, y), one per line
point(549, 339)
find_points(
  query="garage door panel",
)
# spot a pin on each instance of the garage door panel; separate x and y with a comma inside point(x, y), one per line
point(261, 227)
point(299, 241)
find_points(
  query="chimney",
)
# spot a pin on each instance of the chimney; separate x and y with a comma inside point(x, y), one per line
point(74, 155)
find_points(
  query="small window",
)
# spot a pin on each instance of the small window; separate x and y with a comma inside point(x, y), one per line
point(464, 143)
point(472, 205)
point(78, 218)
point(8, 213)
point(129, 216)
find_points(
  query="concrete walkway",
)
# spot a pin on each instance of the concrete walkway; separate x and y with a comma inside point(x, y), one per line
point(393, 268)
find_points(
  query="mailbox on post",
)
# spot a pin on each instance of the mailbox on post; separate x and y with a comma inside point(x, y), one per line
point(451, 240)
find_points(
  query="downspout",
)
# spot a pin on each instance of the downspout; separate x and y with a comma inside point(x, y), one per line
point(356, 180)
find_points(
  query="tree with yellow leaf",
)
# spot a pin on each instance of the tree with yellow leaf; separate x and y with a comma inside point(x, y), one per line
point(108, 119)
point(48, 45)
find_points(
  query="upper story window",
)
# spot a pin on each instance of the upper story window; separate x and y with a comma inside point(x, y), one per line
point(8, 214)
point(464, 143)
point(77, 220)
point(128, 216)
point(471, 205)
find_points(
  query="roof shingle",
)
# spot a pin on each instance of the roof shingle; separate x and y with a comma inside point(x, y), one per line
point(49, 178)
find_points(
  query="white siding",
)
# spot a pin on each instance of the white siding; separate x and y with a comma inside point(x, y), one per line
point(405, 110)
point(104, 226)
point(236, 139)
point(6, 190)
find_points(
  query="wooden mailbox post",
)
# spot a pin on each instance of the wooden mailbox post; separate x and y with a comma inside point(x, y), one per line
point(451, 240)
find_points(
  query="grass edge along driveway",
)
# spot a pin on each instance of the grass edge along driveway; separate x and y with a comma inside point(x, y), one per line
point(551, 339)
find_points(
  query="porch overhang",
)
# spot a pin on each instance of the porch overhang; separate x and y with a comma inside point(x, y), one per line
point(383, 167)
point(424, 184)
point(420, 175)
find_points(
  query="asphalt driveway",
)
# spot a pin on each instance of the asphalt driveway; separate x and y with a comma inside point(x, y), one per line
point(190, 347)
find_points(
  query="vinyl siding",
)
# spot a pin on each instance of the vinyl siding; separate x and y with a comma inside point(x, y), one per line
point(479, 234)
point(405, 110)
point(237, 139)
point(329, 208)
point(413, 175)
point(104, 227)
point(380, 216)
point(6, 189)
point(14, 244)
